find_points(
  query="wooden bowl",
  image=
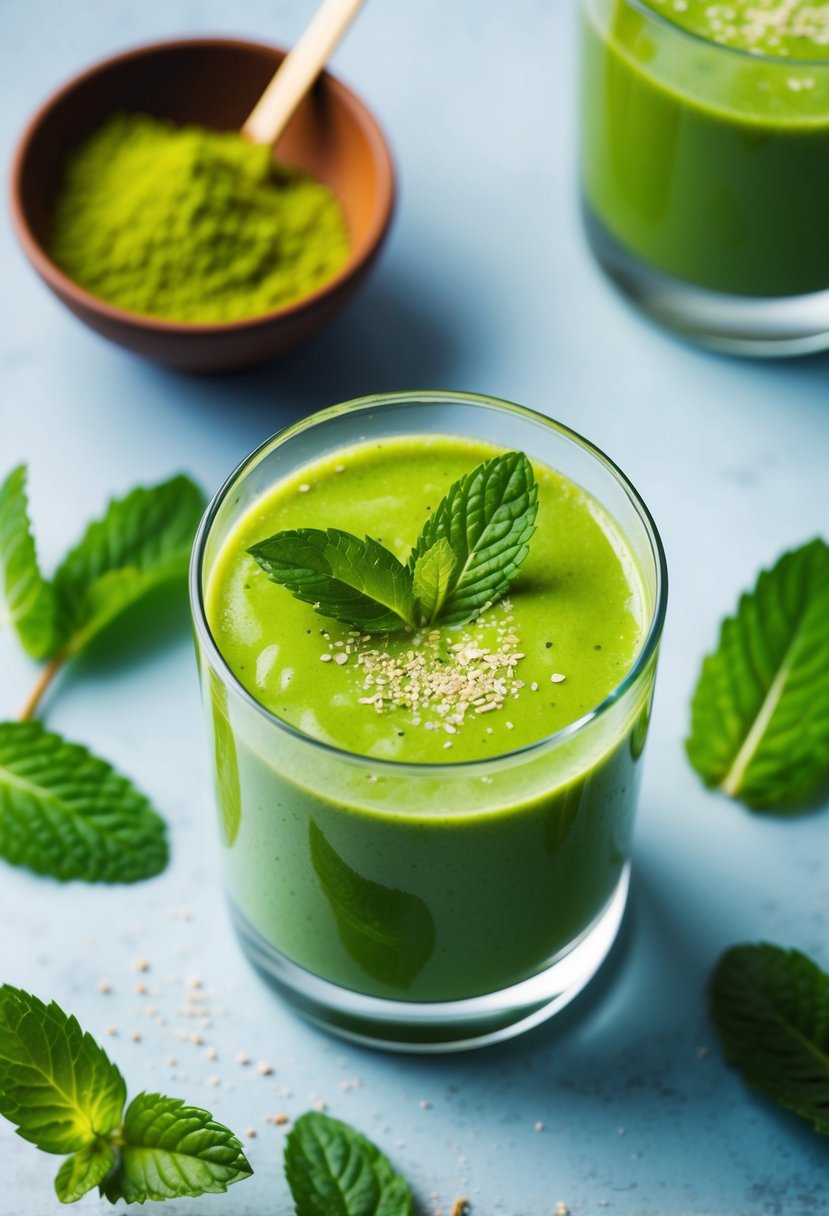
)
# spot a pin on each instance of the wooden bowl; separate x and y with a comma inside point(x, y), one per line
point(213, 82)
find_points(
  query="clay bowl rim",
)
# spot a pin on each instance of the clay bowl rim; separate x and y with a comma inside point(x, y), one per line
point(63, 285)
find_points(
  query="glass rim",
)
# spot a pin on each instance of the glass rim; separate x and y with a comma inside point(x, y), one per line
point(414, 398)
point(781, 61)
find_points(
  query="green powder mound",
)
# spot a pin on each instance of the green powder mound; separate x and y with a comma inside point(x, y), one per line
point(192, 225)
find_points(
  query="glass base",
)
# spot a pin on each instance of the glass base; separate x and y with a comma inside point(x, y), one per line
point(439, 1026)
point(737, 325)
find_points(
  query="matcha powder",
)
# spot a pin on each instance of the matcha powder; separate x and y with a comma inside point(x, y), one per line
point(192, 225)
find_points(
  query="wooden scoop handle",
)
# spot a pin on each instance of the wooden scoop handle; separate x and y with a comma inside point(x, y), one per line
point(298, 71)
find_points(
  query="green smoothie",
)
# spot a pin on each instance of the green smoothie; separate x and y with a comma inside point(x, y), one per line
point(417, 846)
point(705, 139)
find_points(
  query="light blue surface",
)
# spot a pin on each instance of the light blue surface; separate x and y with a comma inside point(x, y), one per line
point(486, 285)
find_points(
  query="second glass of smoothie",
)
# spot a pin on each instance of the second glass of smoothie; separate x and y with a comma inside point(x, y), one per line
point(406, 873)
point(705, 164)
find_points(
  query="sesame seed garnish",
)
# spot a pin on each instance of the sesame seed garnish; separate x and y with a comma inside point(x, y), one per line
point(304, 488)
point(277, 1120)
point(104, 987)
point(140, 988)
point(251, 1133)
point(264, 1069)
point(341, 658)
point(339, 468)
point(557, 677)
point(242, 1058)
point(141, 964)
point(135, 1035)
point(214, 1080)
point(211, 1054)
point(763, 26)
point(111, 1030)
point(538, 1127)
point(326, 658)
point(438, 680)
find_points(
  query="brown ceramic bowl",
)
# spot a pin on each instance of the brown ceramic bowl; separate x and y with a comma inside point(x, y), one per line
point(213, 82)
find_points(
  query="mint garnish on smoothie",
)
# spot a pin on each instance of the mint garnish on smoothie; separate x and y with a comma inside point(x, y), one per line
point(465, 558)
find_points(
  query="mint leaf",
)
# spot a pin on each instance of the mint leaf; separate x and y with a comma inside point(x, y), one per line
point(389, 933)
point(431, 579)
point(141, 542)
point(170, 1150)
point(771, 1007)
point(488, 518)
point(65, 813)
point(760, 713)
point(84, 1170)
point(56, 1084)
point(355, 581)
point(28, 597)
point(334, 1171)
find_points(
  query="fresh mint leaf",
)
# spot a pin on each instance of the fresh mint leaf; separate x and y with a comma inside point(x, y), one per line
point(56, 1084)
point(29, 599)
point(487, 518)
point(431, 579)
point(170, 1150)
point(141, 542)
point(771, 1008)
point(355, 581)
point(65, 813)
point(760, 713)
point(332, 1170)
point(84, 1170)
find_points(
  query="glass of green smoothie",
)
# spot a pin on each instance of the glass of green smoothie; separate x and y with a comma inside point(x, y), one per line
point(705, 164)
point(426, 833)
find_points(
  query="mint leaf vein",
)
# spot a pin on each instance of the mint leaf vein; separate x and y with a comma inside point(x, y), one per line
point(760, 712)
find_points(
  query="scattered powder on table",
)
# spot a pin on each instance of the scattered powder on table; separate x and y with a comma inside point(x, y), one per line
point(192, 225)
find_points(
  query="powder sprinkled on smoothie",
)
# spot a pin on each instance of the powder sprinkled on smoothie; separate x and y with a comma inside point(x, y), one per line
point(192, 225)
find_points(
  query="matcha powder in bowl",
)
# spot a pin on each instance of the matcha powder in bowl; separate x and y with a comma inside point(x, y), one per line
point(192, 225)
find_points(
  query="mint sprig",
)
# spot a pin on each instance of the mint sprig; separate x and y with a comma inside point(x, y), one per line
point(141, 542)
point(65, 1095)
point(468, 553)
point(65, 813)
point(760, 713)
point(771, 1008)
point(333, 1170)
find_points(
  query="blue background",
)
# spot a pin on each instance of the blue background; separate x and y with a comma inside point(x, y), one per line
point(486, 285)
